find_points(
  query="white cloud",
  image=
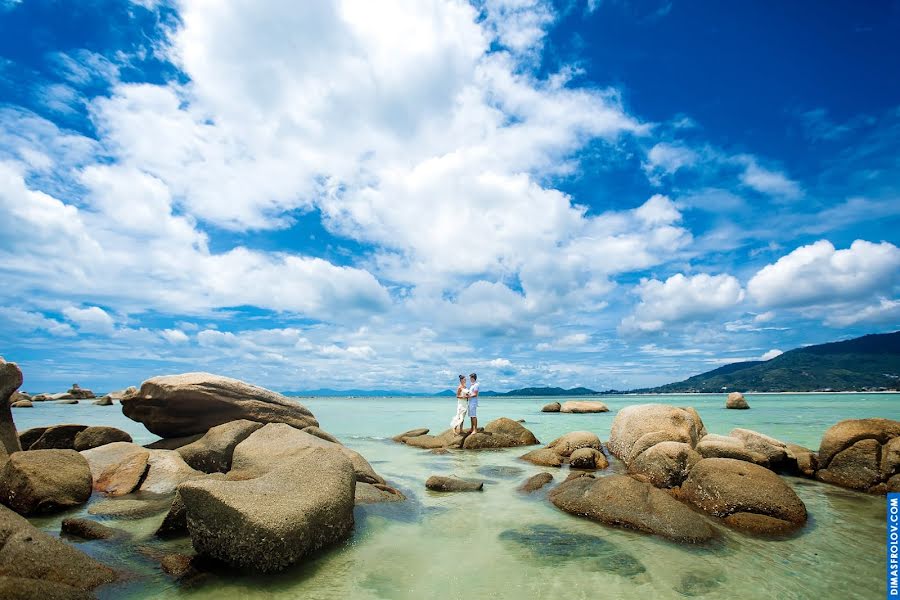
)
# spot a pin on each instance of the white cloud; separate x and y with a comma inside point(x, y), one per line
point(175, 336)
point(771, 354)
point(766, 181)
point(500, 363)
point(92, 319)
point(884, 312)
point(666, 158)
point(680, 298)
point(18, 320)
point(819, 274)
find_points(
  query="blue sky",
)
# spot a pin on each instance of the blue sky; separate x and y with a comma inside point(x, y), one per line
point(381, 195)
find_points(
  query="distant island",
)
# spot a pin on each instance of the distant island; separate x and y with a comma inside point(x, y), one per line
point(868, 363)
point(529, 391)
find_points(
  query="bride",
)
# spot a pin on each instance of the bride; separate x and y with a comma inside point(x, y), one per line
point(462, 405)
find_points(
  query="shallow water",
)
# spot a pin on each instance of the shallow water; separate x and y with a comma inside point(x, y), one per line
point(502, 544)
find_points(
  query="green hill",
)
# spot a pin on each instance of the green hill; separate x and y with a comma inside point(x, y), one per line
point(868, 363)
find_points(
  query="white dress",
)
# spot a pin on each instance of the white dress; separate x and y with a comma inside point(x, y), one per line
point(462, 406)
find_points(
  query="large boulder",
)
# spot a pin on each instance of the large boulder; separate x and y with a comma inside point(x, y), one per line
point(500, 433)
point(740, 492)
point(44, 481)
point(61, 437)
point(93, 437)
point(856, 453)
point(583, 406)
point(303, 504)
point(79, 393)
point(736, 400)
point(553, 407)
point(665, 464)
point(181, 405)
point(724, 446)
point(566, 444)
point(102, 457)
point(21, 588)
point(212, 453)
point(439, 483)
point(274, 443)
point(28, 553)
point(638, 427)
point(10, 381)
point(622, 501)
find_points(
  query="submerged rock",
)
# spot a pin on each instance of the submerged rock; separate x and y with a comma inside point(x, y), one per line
point(639, 427)
point(266, 524)
point(622, 501)
point(553, 407)
point(736, 400)
point(445, 439)
point(191, 403)
point(544, 457)
point(857, 454)
point(535, 482)
point(367, 493)
point(212, 452)
point(726, 487)
point(410, 434)
point(583, 406)
point(135, 506)
point(88, 529)
point(29, 553)
point(439, 483)
point(20, 588)
point(44, 481)
point(93, 437)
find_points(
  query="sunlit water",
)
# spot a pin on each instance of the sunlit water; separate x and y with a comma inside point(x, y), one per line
point(502, 544)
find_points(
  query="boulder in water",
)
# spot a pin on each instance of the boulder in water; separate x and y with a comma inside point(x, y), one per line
point(622, 501)
point(500, 433)
point(79, 393)
point(410, 434)
point(191, 403)
point(22, 404)
point(726, 487)
point(641, 426)
point(303, 504)
point(60, 437)
point(88, 529)
point(588, 458)
point(666, 464)
point(439, 483)
point(724, 446)
point(44, 481)
point(535, 482)
point(124, 476)
point(852, 454)
point(566, 444)
point(583, 406)
point(544, 457)
point(736, 400)
point(98, 435)
point(553, 407)
point(103, 401)
point(368, 493)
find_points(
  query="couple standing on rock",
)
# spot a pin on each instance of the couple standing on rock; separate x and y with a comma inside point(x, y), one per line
point(466, 402)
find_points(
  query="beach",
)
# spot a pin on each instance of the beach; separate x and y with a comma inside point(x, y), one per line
point(503, 544)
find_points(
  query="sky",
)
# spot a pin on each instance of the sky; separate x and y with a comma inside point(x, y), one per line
point(382, 195)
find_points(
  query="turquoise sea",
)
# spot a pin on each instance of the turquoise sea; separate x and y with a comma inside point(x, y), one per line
point(501, 544)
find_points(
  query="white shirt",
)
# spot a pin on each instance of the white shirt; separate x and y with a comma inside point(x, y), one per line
point(473, 390)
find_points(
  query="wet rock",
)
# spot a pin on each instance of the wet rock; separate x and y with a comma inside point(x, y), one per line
point(367, 493)
point(544, 457)
point(723, 446)
point(29, 553)
point(500, 433)
point(87, 529)
point(302, 505)
point(535, 482)
point(45, 481)
point(504, 471)
point(724, 486)
point(176, 565)
point(94, 437)
point(175, 521)
point(410, 434)
point(135, 506)
point(439, 483)
point(851, 451)
point(641, 426)
point(21, 588)
point(67, 401)
point(552, 545)
point(801, 461)
point(10, 381)
point(665, 464)
point(275, 442)
point(123, 477)
point(103, 401)
point(577, 475)
point(583, 406)
point(588, 458)
point(736, 400)
point(212, 452)
point(699, 583)
point(191, 403)
point(553, 407)
point(572, 441)
point(61, 437)
point(622, 501)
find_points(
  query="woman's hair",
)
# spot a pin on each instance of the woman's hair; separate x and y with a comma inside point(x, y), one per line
point(461, 377)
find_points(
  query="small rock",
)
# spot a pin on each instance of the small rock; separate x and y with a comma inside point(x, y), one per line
point(176, 565)
point(535, 482)
point(438, 483)
point(553, 407)
point(123, 477)
point(103, 401)
point(544, 457)
point(87, 529)
point(736, 400)
point(22, 404)
point(411, 433)
point(567, 444)
point(588, 458)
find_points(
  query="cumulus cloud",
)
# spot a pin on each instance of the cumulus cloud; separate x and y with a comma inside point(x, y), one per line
point(771, 354)
point(666, 158)
point(819, 274)
point(92, 319)
point(681, 298)
point(767, 181)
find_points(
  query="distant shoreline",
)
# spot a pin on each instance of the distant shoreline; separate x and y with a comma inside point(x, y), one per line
point(618, 394)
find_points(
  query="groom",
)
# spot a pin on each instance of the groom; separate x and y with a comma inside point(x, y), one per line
point(473, 401)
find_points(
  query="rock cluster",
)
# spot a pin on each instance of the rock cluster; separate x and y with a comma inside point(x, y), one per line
point(862, 454)
point(499, 433)
point(579, 449)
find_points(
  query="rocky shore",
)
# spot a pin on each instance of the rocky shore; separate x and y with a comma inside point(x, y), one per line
point(250, 478)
